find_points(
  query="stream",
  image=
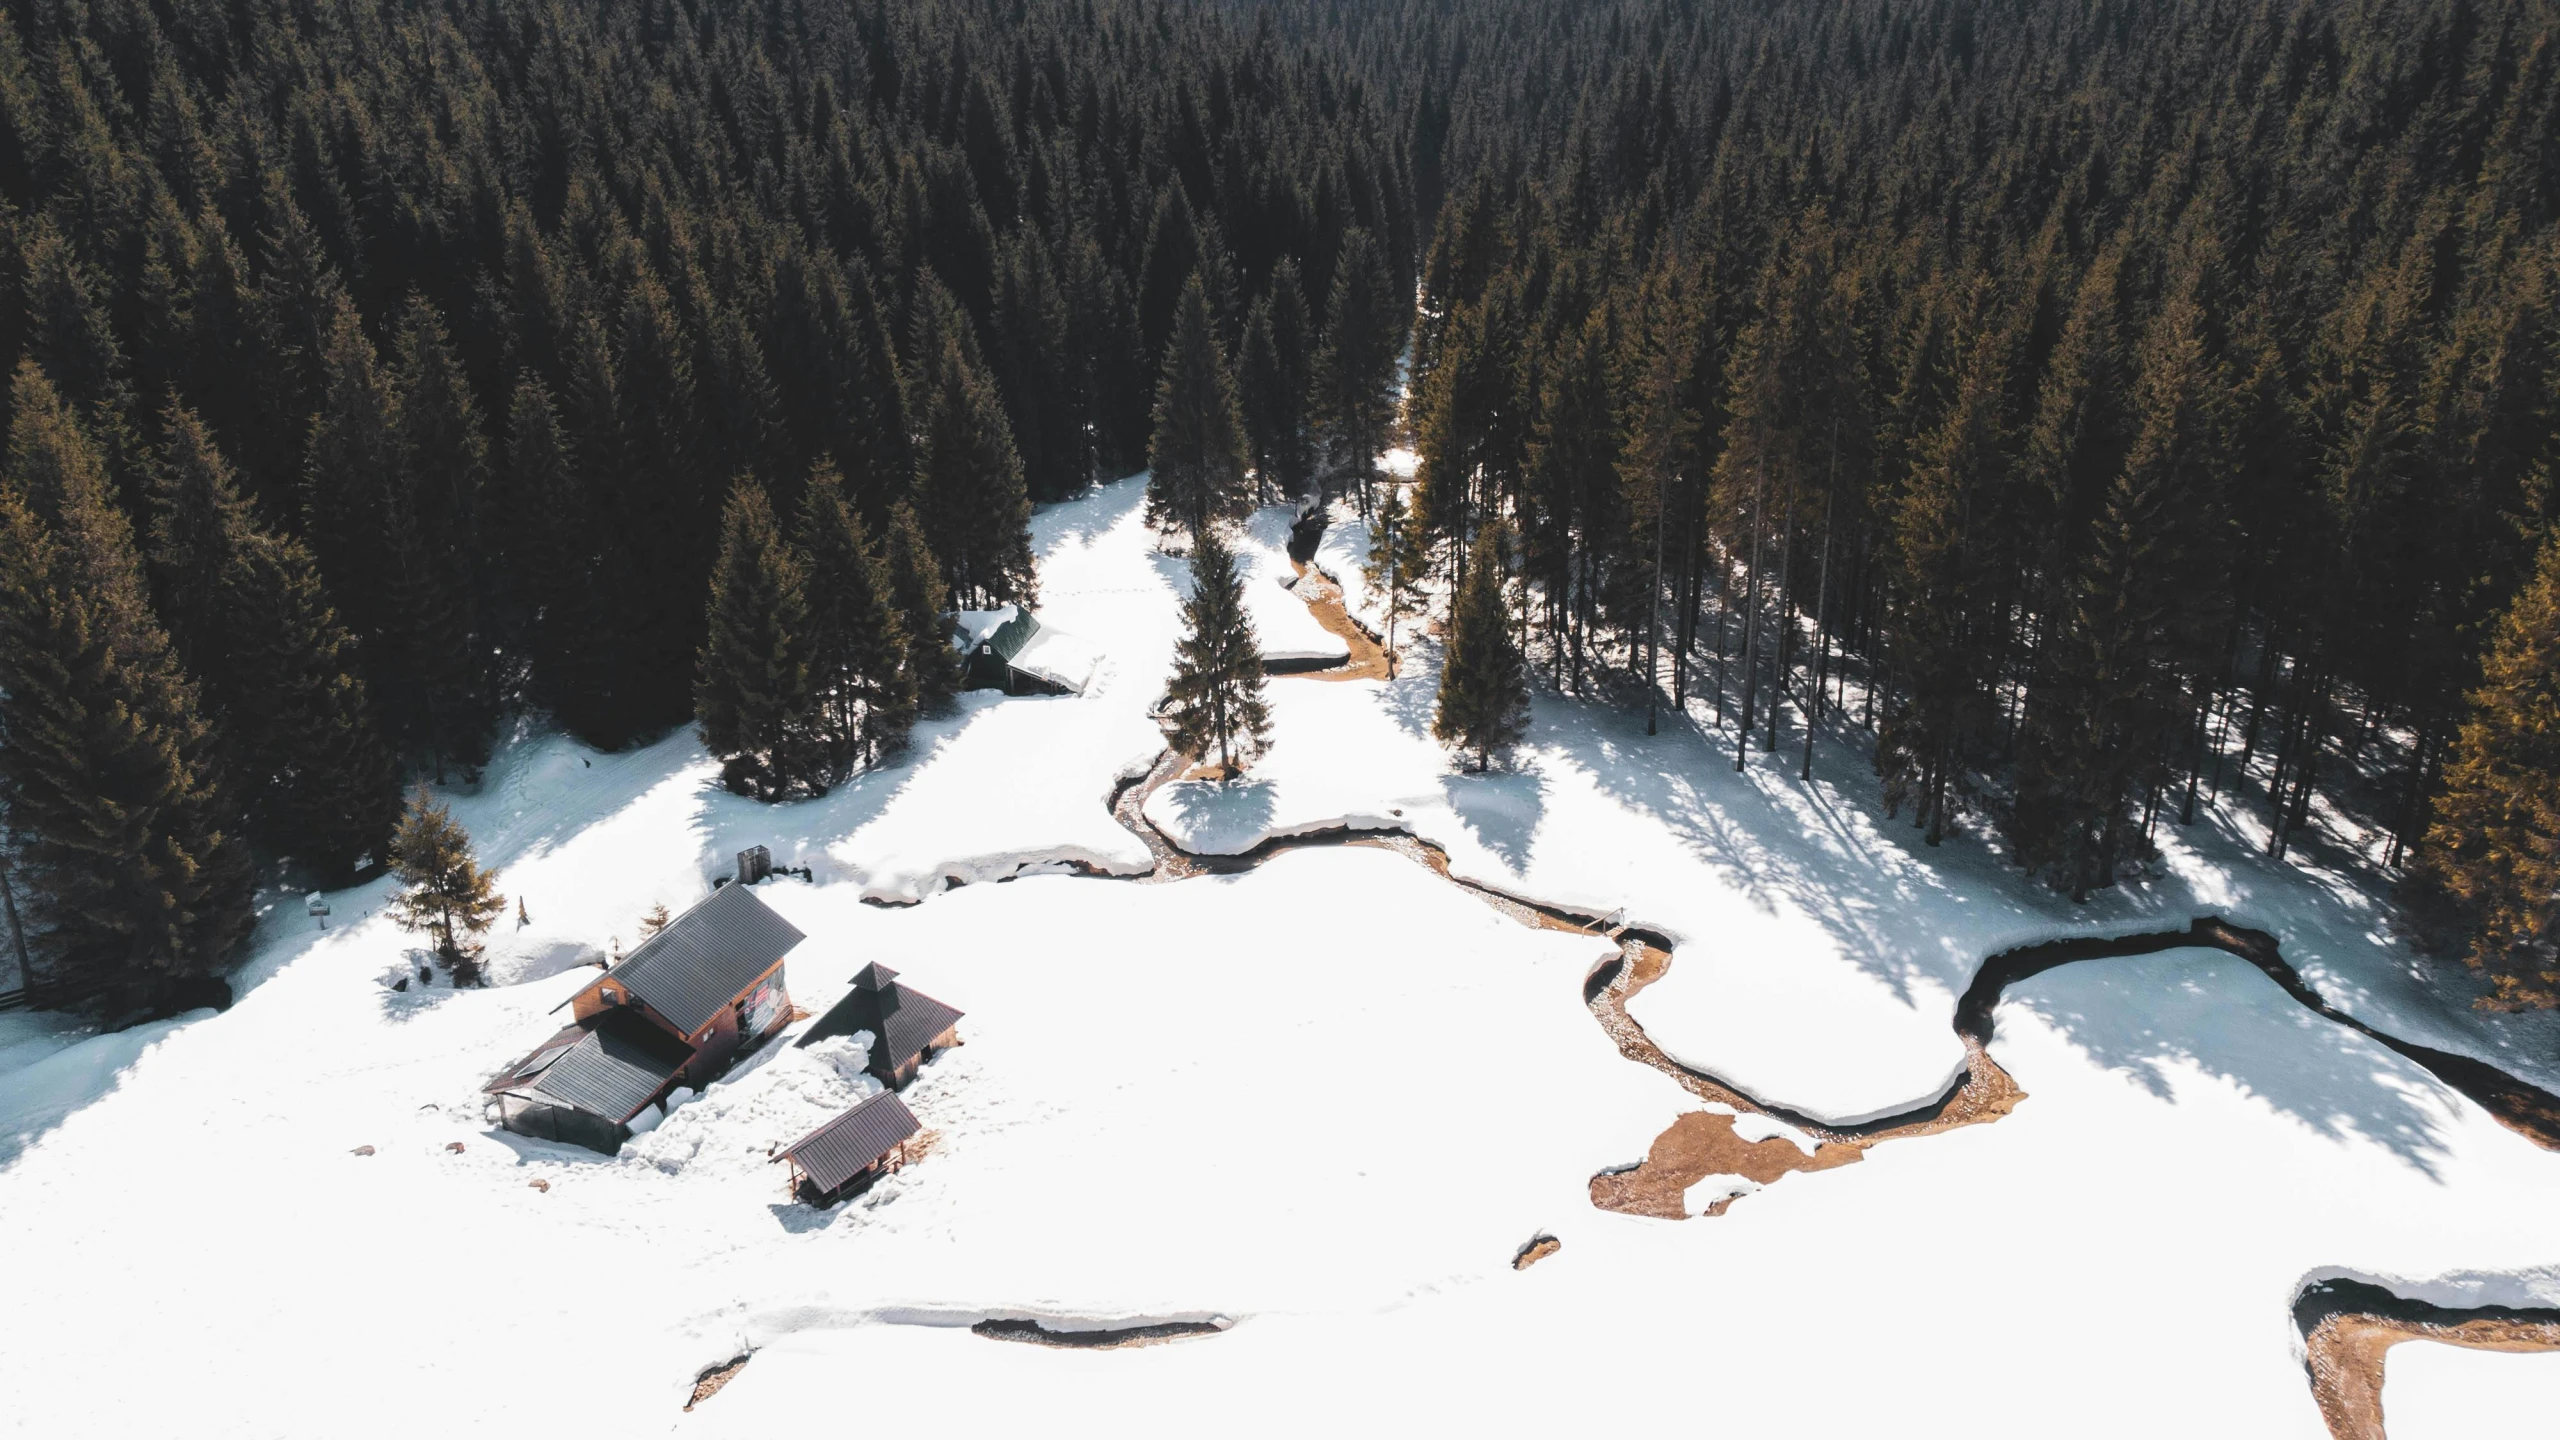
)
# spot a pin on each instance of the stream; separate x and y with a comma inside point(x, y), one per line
point(2346, 1326)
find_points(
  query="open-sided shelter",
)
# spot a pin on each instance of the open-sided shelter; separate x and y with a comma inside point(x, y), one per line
point(908, 1027)
point(869, 1139)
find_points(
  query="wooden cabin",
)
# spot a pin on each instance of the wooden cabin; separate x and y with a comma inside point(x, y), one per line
point(842, 1156)
point(908, 1027)
point(673, 1012)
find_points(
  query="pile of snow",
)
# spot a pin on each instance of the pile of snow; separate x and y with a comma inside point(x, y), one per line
point(774, 1097)
point(1282, 625)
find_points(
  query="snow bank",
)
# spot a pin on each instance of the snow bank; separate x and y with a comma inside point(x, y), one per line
point(778, 1095)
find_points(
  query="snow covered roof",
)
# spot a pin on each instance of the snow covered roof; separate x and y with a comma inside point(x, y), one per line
point(619, 1065)
point(708, 954)
point(903, 1020)
point(1057, 657)
point(840, 1149)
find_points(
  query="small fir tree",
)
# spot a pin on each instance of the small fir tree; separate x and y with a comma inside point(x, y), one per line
point(753, 701)
point(1197, 466)
point(2495, 842)
point(1215, 698)
point(444, 893)
point(1484, 688)
point(656, 920)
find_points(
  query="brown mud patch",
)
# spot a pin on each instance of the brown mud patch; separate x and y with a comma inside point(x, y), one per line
point(1127, 1337)
point(1538, 1248)
point(709, 1382)
point(2348, 1328)
point(1703, 1143)
point(1323, 598)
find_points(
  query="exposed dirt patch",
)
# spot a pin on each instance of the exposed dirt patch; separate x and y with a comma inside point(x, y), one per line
point(1369, 660)
point(2348, 1328)
point(709, 1382)
point(1703, 1143)
point(1127, 1337)
point(1538, 1248)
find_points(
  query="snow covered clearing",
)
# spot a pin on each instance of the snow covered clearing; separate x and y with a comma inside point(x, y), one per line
point(1325, 1102)
point(2447, 1392)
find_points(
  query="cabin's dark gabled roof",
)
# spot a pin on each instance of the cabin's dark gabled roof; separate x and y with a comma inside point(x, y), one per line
point(619, 1065)
point(904, 1020)
point(840, 1149)
point(705, 956)
point(1008, 638)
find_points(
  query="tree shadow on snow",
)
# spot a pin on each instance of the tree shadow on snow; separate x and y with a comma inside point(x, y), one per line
point(2147, 1018)
point(1915, 916)
point(1217, 813)
point(1503, 810)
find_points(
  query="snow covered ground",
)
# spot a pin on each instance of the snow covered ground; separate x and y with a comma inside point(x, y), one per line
point(1327, 1101)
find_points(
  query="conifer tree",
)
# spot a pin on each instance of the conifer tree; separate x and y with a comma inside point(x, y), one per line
point(128, 873)
point(969, 491)
point(445, 460)
point(858, 662)
point(924, 610)
point(1257, 397)
point(1399, 559)
point(1289, 378)
point(549, 539)
point(1484, 684)
point(754, 701)
point(1037, 371)
point(1354, 382)
point(277, 670)
point(1215, 699)
point(443, 891)
point(2495, 842)
point(1196, 477)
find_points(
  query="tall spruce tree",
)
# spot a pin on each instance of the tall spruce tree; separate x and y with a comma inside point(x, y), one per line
point(969, 491)
point(1355, 371)
point(126, 869)
point(924, 610)
point(1197, 476)
point(755, 702)
point(277, 670)
point(2495, 842)
point(858, 648)
point(1215, 698)
point(1483, 703)
point(445, 458)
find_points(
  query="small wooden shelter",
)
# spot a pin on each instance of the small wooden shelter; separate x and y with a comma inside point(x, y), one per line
point(857, 1146)
point(908, 1027)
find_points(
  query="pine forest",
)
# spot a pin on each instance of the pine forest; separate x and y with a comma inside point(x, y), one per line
point(2113, 410)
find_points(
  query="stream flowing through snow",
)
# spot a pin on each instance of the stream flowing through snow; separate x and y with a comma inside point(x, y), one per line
point(2346, 1326)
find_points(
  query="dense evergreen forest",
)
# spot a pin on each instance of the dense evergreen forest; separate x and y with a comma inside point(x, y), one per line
point(2120, 407)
